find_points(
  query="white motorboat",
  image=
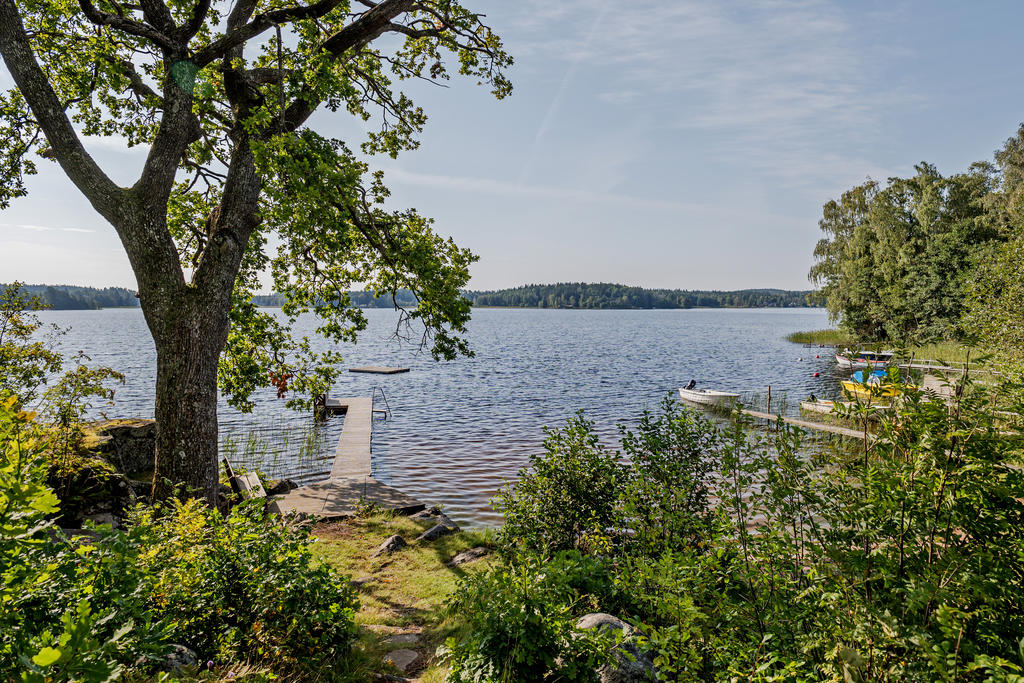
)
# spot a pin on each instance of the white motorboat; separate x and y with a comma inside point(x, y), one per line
point(864, 360)
point(708, 397)
point(818, 406)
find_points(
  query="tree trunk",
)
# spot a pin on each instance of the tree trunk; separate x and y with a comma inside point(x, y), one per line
point(187, 444)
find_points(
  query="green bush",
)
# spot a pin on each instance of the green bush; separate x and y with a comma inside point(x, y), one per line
point(240, 587)
point(567, 492)
point(749, 554)
point(522, 617)
point(244, 585)
point(672, 460)
point(68, 611)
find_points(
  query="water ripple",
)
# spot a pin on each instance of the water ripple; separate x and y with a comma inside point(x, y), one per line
point(461, 429)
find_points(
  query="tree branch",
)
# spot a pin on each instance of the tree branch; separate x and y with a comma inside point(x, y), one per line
point(126, 25)
point(414, 33)
point(158, 14)
point(189, 30)
point(83, 171)
point(263, 22)
point(267, 75)
point(352, 37)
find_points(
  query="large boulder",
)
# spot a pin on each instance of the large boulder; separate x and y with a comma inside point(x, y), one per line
point(630, 663)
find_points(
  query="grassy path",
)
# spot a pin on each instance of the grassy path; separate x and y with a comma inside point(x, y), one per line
point(402, 595)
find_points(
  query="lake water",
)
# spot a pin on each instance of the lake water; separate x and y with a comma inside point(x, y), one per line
point(461, 429)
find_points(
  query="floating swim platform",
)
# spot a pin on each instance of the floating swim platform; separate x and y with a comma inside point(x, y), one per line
point(379, 370)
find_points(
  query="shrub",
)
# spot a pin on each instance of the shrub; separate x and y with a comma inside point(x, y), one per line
point(244, 585)
point(672, 457)
point(521, 621)
point(567, 491)
point(751, 556)
point(68, 611)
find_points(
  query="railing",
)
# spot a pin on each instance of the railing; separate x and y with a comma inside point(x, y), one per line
point(386, 412)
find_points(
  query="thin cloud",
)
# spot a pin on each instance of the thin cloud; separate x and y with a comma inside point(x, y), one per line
point(509, 189)
point(44, 228)
point(775, 86)
point(556, 101)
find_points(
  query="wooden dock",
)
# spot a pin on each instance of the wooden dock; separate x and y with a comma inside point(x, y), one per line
point(816, 426)
point(350, 481)
point(379, 370)
point(352, 456)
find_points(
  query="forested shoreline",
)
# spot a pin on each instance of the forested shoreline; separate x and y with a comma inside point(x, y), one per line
point(560, 295)
point(614, 296)
point(73, 298)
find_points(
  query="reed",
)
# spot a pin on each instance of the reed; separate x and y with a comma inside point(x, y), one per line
point(280, 450)
point(823, 337)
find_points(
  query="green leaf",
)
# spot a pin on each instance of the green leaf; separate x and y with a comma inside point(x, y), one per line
point(48, 656)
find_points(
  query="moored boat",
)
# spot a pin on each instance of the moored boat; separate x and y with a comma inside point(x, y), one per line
point(818, 406)
point(708, 397)
point(874, 386)
point(864, 359)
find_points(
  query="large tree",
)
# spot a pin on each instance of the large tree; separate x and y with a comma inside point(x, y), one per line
point(897, 257)
point(236, 182)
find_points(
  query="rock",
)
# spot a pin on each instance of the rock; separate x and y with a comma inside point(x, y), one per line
point(104, 518)
point(429, 513)
point(605, 622)
point(445, 520)
point(403, 660)
point(141, 488)
point(282, 487)
point(390, 545)
point(435, 532)
point(129, 445)
point(362, 581)
point(631, 664)
point(180, 657)
point(444, 527)
point(468, 556)
point(402, 639)
point(93, 487)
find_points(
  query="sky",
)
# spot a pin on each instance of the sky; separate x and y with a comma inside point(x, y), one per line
point(660, 143)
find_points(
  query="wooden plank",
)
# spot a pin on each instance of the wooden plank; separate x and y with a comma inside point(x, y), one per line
point(249, 485)
point(379, 370)
point(352, 456)
point(338, 498)
point(832, 429)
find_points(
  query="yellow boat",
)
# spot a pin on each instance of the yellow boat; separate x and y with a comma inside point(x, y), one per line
point(875, 387)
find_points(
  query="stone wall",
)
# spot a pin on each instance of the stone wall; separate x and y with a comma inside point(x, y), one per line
point(129, 445)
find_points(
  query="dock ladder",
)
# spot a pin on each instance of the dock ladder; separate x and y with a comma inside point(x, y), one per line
point(386, 413)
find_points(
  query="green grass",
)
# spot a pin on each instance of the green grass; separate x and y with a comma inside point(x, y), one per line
point(946, 352)
point(408, 589)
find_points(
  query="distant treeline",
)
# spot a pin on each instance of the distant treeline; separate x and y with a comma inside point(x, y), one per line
point(70, 298)
point(587, 295)
point(404, 298)
point(562, 295)
point(604, 295)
